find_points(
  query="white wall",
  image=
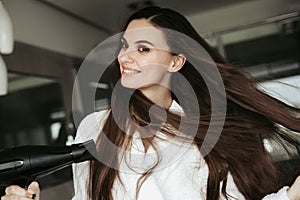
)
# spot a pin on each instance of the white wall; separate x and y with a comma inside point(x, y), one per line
point(40, 25)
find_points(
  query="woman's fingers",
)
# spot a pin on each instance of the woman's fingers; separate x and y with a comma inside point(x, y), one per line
point(14, 197)
point(16, 192)
point(34, 190)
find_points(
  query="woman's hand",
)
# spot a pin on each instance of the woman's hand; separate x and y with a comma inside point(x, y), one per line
point(16, 192)
point(294, 191)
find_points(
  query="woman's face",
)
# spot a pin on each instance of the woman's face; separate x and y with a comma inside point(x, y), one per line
point(144, 58)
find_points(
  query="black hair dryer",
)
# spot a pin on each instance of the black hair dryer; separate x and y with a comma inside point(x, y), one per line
point(24, 164)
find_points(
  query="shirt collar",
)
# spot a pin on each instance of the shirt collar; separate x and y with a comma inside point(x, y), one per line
point(175, 107)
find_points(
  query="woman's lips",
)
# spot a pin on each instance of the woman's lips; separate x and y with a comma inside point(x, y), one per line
point(127, 70)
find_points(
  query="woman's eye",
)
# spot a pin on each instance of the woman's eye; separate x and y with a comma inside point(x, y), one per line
point(143, 49)
point(124, 46)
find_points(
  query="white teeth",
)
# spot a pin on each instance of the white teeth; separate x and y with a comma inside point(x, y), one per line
point(128, 71)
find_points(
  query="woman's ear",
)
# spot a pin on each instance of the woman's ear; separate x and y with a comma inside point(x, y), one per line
point(177, 63)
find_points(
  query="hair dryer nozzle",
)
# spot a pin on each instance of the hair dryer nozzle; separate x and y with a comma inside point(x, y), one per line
point(84, 151)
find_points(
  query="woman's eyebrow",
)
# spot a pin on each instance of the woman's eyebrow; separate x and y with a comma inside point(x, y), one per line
point(138, 42)
point(144, 41)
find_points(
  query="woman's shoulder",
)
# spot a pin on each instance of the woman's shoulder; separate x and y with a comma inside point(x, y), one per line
point(90, 126)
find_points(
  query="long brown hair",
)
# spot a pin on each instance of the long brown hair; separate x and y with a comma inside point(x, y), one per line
point(251, 117)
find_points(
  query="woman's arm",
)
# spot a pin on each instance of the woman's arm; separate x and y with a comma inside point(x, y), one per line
point(88, 129)
point(294, 191)
point(286, 193)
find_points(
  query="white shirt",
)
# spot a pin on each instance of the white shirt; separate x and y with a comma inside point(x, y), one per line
point(181, 174)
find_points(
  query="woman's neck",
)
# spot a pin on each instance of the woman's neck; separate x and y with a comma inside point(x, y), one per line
point(159, 95)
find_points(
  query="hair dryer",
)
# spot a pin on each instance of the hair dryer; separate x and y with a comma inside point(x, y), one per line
point(24, 164)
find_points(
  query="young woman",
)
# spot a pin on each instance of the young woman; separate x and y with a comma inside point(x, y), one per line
point(174, 130)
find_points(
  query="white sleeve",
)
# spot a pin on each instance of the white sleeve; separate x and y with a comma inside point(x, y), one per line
point(280, 195)
point(88, 129)
point(80, 180)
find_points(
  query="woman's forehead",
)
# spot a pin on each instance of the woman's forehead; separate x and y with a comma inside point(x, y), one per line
point(142, 29)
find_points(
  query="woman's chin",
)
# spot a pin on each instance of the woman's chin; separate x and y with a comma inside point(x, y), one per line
point(128, 85)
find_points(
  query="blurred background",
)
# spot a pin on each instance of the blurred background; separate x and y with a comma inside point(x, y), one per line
point(52, 38)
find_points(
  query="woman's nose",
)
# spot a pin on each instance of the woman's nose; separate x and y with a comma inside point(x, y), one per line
point(125, 56)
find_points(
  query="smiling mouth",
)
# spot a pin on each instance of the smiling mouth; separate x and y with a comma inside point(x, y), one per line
point(130, 71)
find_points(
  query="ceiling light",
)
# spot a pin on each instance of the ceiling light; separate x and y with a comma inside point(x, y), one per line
point(6, 45)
